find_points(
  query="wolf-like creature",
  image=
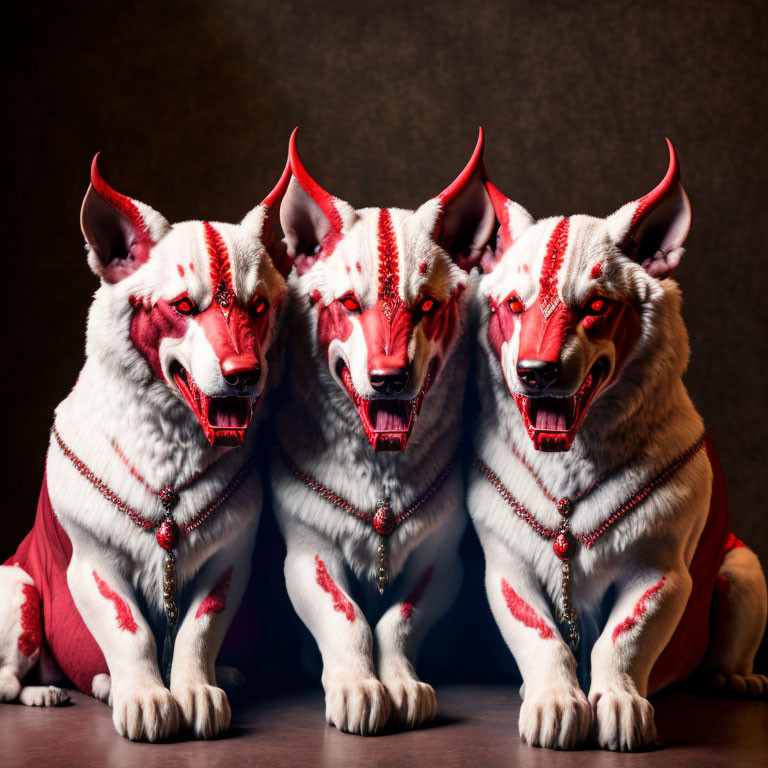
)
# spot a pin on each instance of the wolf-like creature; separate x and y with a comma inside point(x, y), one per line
point(594, 480)
point(367, 487)
point(150, 504)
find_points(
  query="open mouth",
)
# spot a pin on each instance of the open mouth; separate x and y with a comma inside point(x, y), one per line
point(552, 422)
point(387, 422)
point(223, 419)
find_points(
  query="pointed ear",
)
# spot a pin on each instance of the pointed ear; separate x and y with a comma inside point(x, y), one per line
point(120, 231)
point(513, 221)
point(652, 230)
point(312, 219)
point(263, 222)
point(465, 220)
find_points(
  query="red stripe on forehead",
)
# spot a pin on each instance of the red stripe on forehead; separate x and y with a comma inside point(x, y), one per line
point(553, 260)
point(218, 260)
point(389, 277)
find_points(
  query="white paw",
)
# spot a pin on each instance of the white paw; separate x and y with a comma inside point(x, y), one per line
point(623, 719)
point(145, 713)
point(357, 705)
point(101, 687)
point(413, 702)
point(43, 696)
point(555, 718)
point(10, 685)
point(743, 686)
point(204, 709)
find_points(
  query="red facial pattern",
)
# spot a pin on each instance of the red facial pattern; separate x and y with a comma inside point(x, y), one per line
point(216, 601)
point(124, 616)
point(31, 627)
point(524, 613)
point(340, 601)
point(640, 608)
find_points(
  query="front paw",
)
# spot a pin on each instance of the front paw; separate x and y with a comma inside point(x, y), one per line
point(204, 709)
point(357, 705)
point(145, 712)
point(623, 719)
point(555, 718)
point(413, 702)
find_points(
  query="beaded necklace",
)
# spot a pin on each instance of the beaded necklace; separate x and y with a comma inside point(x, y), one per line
point(564, 539)
point(383, 520)
point(167, 530)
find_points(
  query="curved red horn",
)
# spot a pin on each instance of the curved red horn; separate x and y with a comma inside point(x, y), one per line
point(122, 204)
point(277, 193)
point(475, 163)
point(324, 200)
point(501, 206)
point(648, 201)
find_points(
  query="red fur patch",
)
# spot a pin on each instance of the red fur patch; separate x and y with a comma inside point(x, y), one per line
point(423, 268)
point(124, 616)
point(216, 601)
point(640, 608)
point(191, 267)
point(389, 276)
point(524, 612)
point(180, 270)
point(406, 609)
point(358, 267)
point(150, 326)
point(553, 260)
point(221, 274)
point(340, 601)
point(596, 270)
point(387, 338)
point(31, 628)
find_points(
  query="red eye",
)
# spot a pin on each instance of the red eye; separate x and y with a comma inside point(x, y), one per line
point(515, 304)
point(259, 305)
point(595, 306)
point(350, 303)
point(184, 306)
point(428, 304)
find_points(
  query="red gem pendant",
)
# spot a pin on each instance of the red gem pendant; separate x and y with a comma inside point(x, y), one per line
point(168, 534)
point(563, 546)
point(384, 520)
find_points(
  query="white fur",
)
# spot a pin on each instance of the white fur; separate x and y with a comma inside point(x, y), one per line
point(632, 430)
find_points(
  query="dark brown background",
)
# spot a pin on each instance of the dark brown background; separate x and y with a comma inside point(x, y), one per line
point(192, 105)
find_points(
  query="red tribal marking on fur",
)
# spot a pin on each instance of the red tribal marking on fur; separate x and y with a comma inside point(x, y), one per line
point(640, 607)
point(31, 629)
point(389, 277)
point(524, 612)
point(221, 274)
point(423, 267)
point(553, 260)
point(150, 325)
point(340, 601)
point(180, 270)
point(216, 601)
point(191, 267)
point(596, 270)
point(124, 616)
point(415, 595)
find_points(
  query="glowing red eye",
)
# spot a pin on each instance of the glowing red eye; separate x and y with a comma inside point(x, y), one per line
point(596, 306)
point(428, 304)
point(184, 305)
point(350, 303)
point(260, 305)
point(516, 305)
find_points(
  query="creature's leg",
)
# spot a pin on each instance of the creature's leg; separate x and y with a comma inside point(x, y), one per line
point(355, 701)
point(555, 712)
point(21, 635)
point(738, 621)
point(649, 603)
point(217, 593)
point(142, 707)
point(426, 589)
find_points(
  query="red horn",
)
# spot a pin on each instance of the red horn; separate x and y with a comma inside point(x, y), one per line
point(324, 200)
point(276, 194)
point(461, 181)
point(125, 206)
point(647, 202)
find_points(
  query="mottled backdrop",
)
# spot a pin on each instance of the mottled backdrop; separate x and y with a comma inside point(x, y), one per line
point(192, 104)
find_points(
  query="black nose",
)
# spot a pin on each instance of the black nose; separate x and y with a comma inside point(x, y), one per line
point(390, 382)
point(537, 374)
point(242, 379)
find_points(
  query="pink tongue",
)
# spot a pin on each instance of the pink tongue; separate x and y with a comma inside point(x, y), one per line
point(390, 415)
point(228, 412)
